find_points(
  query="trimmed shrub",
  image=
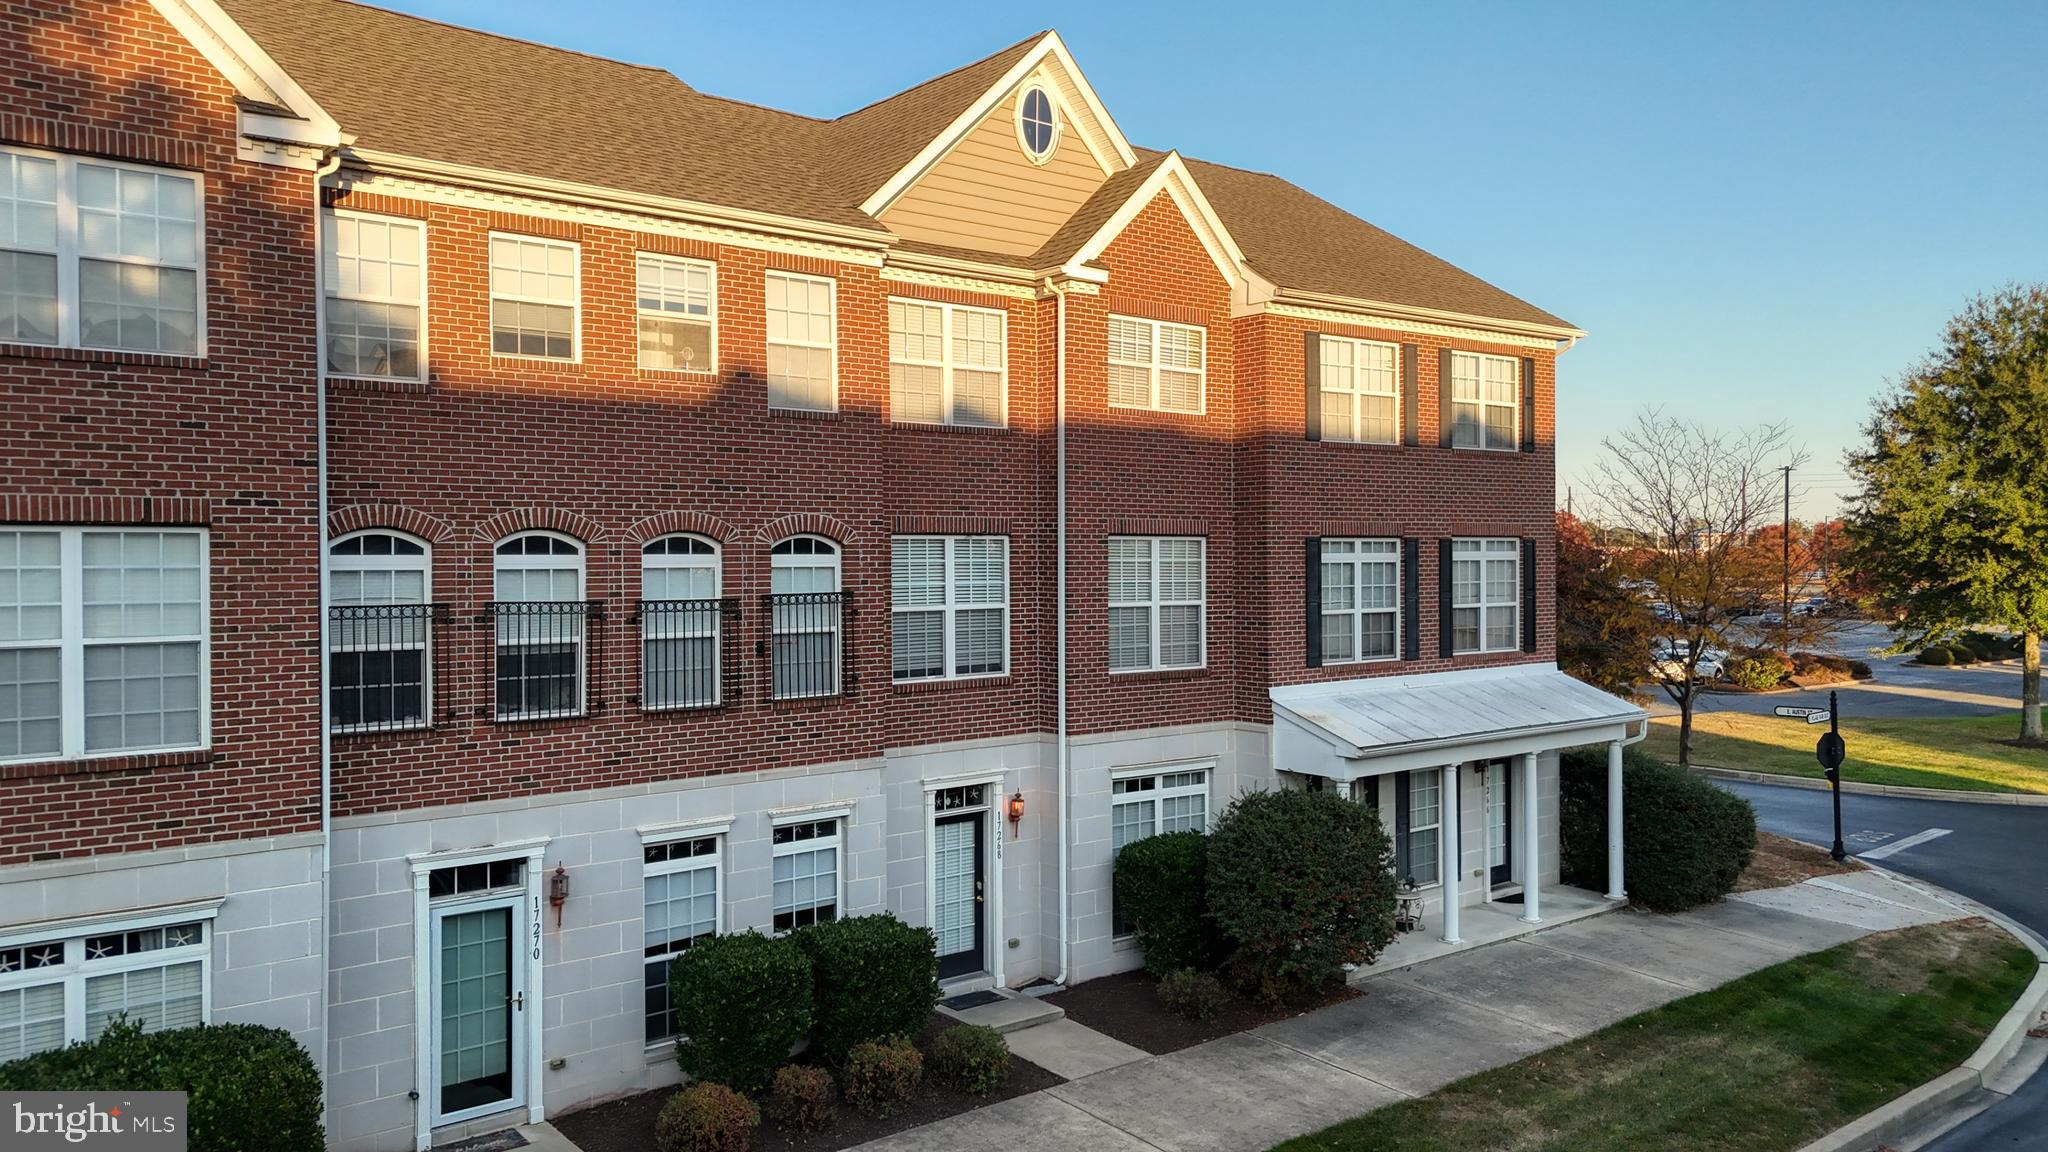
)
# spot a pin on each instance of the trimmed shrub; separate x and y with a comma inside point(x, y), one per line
point(882, 1075)
point(741, 1004)
point(1162, 884)
point(971, 1058)
point(1758, 673)
point(706, 1117)
point(874, 976)
point(1959, 653)
point(246, 1086)
point(1301, 883)
point(1684, 841)
point(1936, 655)
point(1820, 668)
point(1191, 995)
point(801, 1098)
point(1859, 670)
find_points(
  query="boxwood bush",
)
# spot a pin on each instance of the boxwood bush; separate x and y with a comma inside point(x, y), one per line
point(1936, 655)
point(971, 1058)
point(1162, 885)
point(741, 1003)
point(1684, 841)
point(1301, 883)
point(706, 1118)
point(874, 976)
point(882, 1075)
point(246, 1086)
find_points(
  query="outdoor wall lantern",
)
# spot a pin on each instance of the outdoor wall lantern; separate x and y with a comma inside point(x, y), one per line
point(558, 892)
point(1016, 811)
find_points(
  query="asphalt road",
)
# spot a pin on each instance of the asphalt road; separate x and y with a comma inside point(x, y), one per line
point(1899, 688)
point(1993, 853)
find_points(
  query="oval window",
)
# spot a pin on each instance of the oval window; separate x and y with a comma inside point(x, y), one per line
point(1036, 126)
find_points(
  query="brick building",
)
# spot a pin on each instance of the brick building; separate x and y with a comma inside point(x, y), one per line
point(773, 520)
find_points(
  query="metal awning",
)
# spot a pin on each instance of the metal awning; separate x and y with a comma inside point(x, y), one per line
point(1349, 729)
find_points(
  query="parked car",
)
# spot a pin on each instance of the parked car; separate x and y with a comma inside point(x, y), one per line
point(1668, 663)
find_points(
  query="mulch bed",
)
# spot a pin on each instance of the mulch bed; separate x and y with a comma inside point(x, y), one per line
point(1126, 1007)
point(628, 1125)
point(1780, 861)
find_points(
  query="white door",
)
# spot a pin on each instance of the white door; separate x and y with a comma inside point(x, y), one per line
point(1499, 826)
point(479, 990)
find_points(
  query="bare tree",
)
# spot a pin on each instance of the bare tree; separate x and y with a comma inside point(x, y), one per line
point(1697, 497)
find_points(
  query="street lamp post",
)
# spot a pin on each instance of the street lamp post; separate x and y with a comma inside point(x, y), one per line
point(1829, 751)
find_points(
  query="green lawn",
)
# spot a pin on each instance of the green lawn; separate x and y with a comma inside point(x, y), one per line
point(1766, 1063)
point(1964, 753)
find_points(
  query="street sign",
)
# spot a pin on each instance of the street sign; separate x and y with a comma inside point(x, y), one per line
point(1821, 717)
point(1830, 751)
point(1789, 710)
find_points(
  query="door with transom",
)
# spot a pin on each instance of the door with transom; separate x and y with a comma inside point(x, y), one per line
point(479, 990)
point(1500, 824)
point(959, 879)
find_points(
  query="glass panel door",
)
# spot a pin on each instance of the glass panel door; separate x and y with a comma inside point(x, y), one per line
point(480, 988)
point(957, 894)
point(1499, 826)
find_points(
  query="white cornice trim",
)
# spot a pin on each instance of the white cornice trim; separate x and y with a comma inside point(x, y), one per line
point(1263, 292)
point(1173, 178)
point(1365, 319)
point(251, 70)
point(1011, 291)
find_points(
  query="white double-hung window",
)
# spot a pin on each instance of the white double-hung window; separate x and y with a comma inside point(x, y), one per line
point(534, 293)
point(678, 308)
point(103, 642)
point(802, 342)
point(946, 364)
point(807, 879)
point(1157, 599)
point(1146, 804)
point(680, 905)
point(1486, 595)
point(376, 276)
point(949, 600)
point(680, 621)
point(1359, 381)
point(99, 254)
point(537, 578)
point(1424, 822)
point(1155, 364)
point(1485, 399)
point(58, 989)
point(1361, 600)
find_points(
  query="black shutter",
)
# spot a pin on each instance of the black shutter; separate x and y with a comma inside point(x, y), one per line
point(1401, 868)
point(1312, 599)
point(1411, 394)
point(1528, 595)
point(1528, 404)
point(1411, 598)
point(1312, 386)
point(1443, 397)
point(1443, 597)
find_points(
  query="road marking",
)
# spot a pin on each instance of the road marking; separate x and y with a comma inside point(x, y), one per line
point(1898, 846)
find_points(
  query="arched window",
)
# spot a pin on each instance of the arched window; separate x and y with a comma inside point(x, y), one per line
point(380, 632)
point(537, 579)
point(805, 608)
point(679, 623)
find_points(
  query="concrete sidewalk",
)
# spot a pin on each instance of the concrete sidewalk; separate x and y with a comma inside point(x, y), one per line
point(1421, 1027)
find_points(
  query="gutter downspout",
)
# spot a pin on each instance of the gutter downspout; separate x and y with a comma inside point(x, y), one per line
point(330, 163)
point(1060, 627)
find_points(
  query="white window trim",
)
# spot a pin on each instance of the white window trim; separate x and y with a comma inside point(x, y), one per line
point(424, 564)
point(711, 271)
point(1153, 367)
point(1153, 604)
point(1157, 794)
point(947, 364)
point(1514, 407)
point(1355, 561)
point(781, 560)
point(575, 302)
point(838, 817)
point(715, 563)
point(76, 969)
point(583, 635)
point(69, 302)
point(1353, 434)
point(331, 252)
point(72, 643)
point(1487, 608)
point(831, 345)
point(1435, 776)
point(1059, 122)
point(949, 610)
point(715, 862)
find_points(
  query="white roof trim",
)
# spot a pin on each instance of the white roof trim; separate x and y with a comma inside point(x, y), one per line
point(250, 69)
point(1097, 131)
point(1173, 178)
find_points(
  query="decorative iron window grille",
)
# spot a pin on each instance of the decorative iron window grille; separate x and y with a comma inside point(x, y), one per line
point(686, 657)
point(383, 666)
point(542, 650)
point(806, 644)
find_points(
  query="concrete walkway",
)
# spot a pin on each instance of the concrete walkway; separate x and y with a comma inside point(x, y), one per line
point(1426, 1025)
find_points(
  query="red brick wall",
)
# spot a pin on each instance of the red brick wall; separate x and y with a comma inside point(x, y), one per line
point(225, 441)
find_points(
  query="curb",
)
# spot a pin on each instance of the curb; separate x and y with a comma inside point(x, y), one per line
point(1913, 1111)
point(1902, 791)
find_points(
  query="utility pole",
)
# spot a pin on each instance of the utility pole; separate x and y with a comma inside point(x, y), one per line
point(1785, 543)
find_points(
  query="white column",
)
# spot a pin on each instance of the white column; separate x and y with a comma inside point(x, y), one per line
point(1615, 888)
point(1532, 868)
point(1449, 817)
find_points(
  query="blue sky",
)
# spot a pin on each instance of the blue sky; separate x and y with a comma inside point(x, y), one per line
point(1758, 211)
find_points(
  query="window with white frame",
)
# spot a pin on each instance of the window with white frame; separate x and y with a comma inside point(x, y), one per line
point(1425, 827)
point(680, 620)
point(802, 343)
point(64, 989)
point(678, 303)
point(949, 599)
point(1486, 595)
point(378, 633)
point(680, 905)
point(806, 876)
point(99, 254)
point(1157, 597)
point(1155, 364)
point(1151, 804)
point(103, 641)
point(1485, 400)
point(1360, 386)
point(376, 277)
point(534, 290)
point(539, 608)
point(946, 364)
point(1361, 599)
point(804, 617)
